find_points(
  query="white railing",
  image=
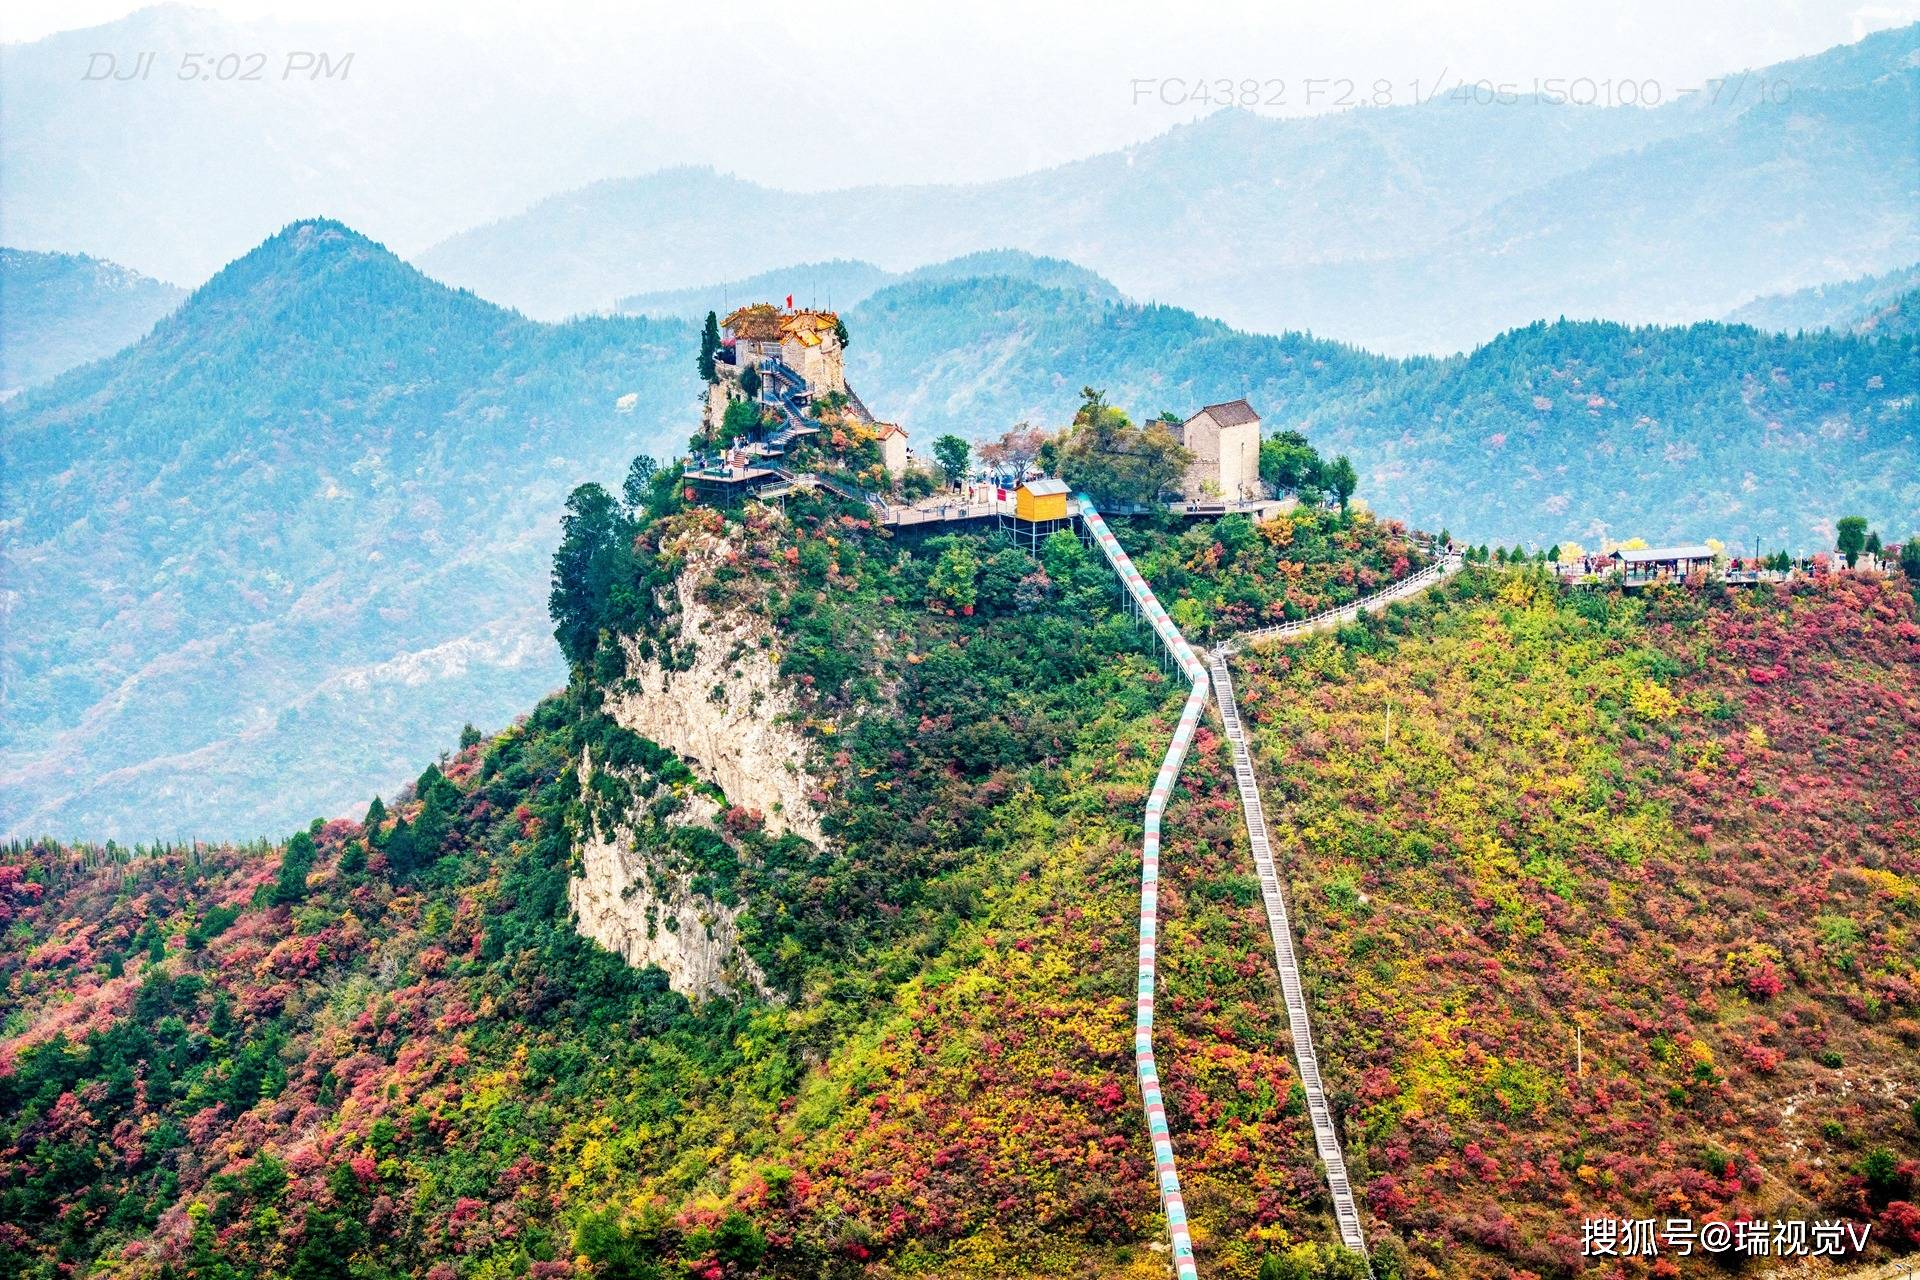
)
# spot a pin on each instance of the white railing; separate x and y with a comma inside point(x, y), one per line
point(1413, 584)
point(1326, 1139)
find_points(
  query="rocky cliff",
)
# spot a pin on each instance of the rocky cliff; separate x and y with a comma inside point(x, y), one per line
point(624, 899)
point(723, 715)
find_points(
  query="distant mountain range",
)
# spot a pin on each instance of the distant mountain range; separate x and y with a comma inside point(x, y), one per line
point(846, 282)
point(1404, 229)
point(262, 561)
point(58, 310)
point(1856, 304)
point(1574, 429)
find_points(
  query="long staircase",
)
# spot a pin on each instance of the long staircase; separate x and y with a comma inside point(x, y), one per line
point(1325, 1140)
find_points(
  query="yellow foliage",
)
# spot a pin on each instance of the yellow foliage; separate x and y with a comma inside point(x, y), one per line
point(1652, 700)
point(1277, 530)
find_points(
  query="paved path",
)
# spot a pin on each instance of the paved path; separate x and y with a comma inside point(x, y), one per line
point(1340, 615)
point(1325, 1139)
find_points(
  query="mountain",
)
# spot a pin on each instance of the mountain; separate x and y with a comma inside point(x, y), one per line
point(838, 976)
point(269, 553)
point(1897, 317)
point(1416, 228)
point(58, 310)
point(1842, 304)
point(1571, 430)
point(840, 283)
point(289, 565)
point(845, 283)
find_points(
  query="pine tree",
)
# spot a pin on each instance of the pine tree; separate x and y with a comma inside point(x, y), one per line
point(709, 348)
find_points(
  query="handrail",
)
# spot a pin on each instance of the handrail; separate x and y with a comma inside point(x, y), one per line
point(1172, 1203)
point(1326, 1139)
point(1410, 585)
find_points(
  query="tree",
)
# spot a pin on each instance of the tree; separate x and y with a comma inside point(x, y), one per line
point(954, 583)
point(1014, 453)
point(639, 481)
point(709, 347)
point(1874, 545)
point(1851, 537)
point(1342, 479)
point(750, 382)
point(1289, 464)
point(742, 418)
point(592, 572)
point(1553, 553)
point(1105, 455)
point(296, 861)
point(840, 332)
point(1910, 560)
point(952, 453)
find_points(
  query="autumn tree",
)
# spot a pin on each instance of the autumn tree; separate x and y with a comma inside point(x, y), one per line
point(1105, 455)
point(1013, 454)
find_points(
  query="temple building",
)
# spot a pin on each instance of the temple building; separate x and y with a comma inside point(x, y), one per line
point(807, 342)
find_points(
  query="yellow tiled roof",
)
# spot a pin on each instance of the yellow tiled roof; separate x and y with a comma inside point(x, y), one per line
point(761, 321)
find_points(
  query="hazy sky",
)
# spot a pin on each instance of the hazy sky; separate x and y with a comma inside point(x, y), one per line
point(916, 92)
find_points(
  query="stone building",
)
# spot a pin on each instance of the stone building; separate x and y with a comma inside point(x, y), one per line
point(893, 446)
point(807, 342)
point(1225, 442)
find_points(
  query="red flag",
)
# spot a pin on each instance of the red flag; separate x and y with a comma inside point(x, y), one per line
point(789, 302)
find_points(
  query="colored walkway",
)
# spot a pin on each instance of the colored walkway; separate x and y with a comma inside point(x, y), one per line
point(1171, 1201)
point(1326, 1141)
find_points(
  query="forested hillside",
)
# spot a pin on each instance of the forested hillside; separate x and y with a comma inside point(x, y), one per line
point(1554, 432)
point(1842, 304)
point(381, 1044)
point(58, 310)
point(379, 1048)
point(1610, 905)
point(294, 538)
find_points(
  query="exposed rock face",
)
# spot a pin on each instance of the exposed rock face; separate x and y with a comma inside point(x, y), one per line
point(627, 904)
point(735, 741)
point(623, 898)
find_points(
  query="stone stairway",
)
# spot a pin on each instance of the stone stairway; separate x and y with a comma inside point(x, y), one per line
point(1325, 1140)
